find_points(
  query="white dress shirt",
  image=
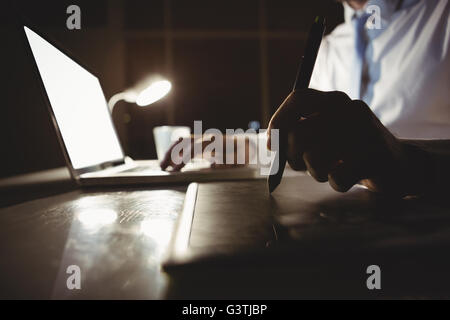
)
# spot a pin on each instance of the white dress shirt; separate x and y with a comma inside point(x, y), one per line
point(405, 78)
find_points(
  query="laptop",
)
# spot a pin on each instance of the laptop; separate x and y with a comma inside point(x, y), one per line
point(86, 132)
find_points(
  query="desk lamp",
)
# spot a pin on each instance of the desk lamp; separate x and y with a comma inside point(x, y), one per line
point(143, 93)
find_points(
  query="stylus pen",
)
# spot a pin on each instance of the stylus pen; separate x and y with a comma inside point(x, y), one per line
point(301, 81)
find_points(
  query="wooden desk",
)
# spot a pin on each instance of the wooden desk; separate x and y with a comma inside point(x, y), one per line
point(118, 238)
point(35, 185)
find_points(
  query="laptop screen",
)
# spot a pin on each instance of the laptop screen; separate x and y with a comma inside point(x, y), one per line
point(78, 104)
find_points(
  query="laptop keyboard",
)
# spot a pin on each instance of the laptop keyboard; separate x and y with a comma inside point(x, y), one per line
point(154, 167)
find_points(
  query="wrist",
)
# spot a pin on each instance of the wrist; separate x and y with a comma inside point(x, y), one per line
point(416, 167)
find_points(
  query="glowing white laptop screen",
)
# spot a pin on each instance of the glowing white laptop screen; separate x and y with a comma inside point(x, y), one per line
point(79, 106)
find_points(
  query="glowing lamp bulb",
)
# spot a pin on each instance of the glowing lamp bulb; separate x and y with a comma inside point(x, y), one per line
point(153, 93)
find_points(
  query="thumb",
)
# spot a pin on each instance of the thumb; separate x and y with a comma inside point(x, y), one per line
point(344, 176)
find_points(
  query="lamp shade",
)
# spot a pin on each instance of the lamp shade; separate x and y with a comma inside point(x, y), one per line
point(153, 92)
point(143, 93)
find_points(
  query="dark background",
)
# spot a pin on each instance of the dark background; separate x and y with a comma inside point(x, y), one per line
point(230, 62)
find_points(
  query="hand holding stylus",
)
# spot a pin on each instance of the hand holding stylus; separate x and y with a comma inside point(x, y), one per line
point(302, 79)
point(341, 141)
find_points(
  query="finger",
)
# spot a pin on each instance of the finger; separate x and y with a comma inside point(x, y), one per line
point(307, 134)
point(296, 145)
point(195, 148)
point(184, 156)
point(344, 176)
point(319, 163)
point(167, 160)
point(225, 166)
point(180, 153)
point(303, 103)
point(296, 162)
point(178, 167)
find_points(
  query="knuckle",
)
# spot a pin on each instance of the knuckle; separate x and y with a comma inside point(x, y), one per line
point(339, 96)
point(297, 165)
point(321, 177)
point(314, 174)
point(315, 167)
point(317, 174)
point(336, 185)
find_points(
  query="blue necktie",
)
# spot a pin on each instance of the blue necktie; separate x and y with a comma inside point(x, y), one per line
point(358, 59)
